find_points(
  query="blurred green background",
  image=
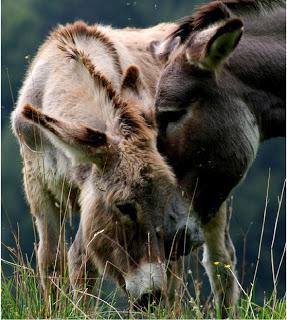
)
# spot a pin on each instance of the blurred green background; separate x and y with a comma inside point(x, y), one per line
point(25, 24)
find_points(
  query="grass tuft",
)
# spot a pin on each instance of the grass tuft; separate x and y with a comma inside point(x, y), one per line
point(22, 298)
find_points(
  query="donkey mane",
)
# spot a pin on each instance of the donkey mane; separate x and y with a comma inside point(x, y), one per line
point(215, 11)
point(132, 123)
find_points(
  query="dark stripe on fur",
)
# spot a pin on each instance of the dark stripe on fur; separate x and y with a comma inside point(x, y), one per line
point(92, 138)
point(72, 133)
point(32, 114)
point(98, 77)
point(131, 121)
point(79, 28)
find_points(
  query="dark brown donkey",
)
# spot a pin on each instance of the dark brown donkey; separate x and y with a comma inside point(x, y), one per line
point(221, 93)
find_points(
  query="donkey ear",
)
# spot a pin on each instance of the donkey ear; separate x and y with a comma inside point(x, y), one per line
point(221, 44)
point(132, 80)
point(135, 91)
point(80, 143)
point(162, 50)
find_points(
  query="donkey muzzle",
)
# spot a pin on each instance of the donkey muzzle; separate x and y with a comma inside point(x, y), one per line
point(146, 284)
point(188, 236)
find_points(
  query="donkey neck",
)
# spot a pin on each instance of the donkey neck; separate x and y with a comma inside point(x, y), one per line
point(256, 71)
point(267, 107)
point(259, 60)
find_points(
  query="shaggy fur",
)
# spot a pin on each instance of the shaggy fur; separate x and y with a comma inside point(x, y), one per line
point(86, 127)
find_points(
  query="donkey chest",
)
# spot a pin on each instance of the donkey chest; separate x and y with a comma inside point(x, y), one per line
point(56, 172)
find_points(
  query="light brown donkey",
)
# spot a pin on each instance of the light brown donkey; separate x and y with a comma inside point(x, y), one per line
point(85, 123)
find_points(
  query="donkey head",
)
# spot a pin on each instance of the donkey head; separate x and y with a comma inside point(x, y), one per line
point(193, 67)
point(181, 232)
point(131, 196)
point(201, 115)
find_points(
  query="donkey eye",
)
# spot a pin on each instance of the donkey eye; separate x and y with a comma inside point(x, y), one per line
point(128, 209)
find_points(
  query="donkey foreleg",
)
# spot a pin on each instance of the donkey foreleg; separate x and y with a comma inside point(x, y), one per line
point(219, 261)
point(51, 249)
point(82, 273)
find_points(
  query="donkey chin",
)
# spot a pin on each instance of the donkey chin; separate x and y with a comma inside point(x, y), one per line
point(147, 285)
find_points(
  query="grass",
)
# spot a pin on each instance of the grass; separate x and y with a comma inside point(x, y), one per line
point(22, 298)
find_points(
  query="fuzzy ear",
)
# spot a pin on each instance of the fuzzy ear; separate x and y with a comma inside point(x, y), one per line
point(162, 50)
point(221, 44)
point(132, 80)
point(80, 143)
point(135, 91)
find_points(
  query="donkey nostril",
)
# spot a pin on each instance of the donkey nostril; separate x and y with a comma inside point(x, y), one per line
point(149, 299)
point(157, 296)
